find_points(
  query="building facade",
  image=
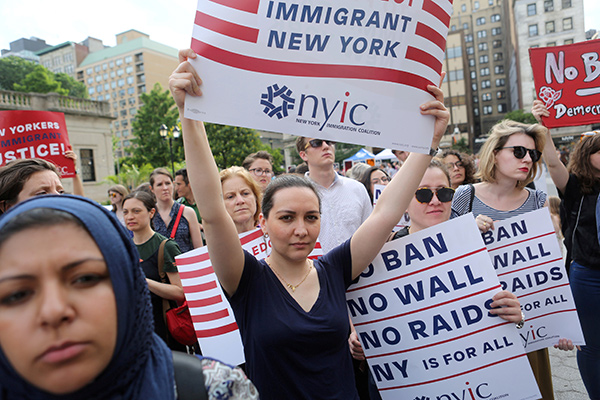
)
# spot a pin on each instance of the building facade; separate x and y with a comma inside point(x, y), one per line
point(63, 58)
point(120, 74)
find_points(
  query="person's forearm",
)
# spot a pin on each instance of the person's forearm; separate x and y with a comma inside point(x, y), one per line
point(166, 290)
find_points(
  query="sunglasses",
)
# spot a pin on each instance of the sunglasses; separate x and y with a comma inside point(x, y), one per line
point(113, 194)
point(425, 194)
point(520, 152)
point(316, 143)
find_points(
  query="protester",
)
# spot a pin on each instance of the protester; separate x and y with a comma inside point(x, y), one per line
point(579, 186)
point(294, 334)
point(116, 195)
point(357, 171)
point(184, 193)
point(401, 155)
point(460, 166)
point(509, 160)
point(75, 319)
point(168, 221)
point(554, 206)
point(260, 165)
point(374, 176)
point(242, 196)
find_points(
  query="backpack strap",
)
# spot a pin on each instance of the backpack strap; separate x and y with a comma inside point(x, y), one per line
point(189, 377)
point(177, 219)
point(163, 276)
point(472, 197)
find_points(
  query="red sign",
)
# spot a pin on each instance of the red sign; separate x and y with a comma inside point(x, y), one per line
point(35, 134)
point(567, 79)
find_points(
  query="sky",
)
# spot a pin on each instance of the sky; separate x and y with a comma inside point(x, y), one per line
point(166, 21)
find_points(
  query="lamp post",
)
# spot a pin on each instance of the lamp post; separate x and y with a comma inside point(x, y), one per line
point(164, 133)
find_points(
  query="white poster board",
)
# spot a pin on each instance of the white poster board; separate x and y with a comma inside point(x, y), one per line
point(526, 255)
point(344, 70)
point(420, 311)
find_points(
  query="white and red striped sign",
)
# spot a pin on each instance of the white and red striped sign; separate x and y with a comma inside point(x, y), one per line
point(211, 313)
point(421, 314)
point(338, 69)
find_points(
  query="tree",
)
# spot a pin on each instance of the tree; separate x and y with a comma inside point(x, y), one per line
point(521, 116)
point(148, 145)
point(231, 144)
point(40, 80)
point(13, 70)
point(462, 145)
point(75, 88)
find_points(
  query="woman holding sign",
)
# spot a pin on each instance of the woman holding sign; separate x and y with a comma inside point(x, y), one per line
point(292, 312)
point(579, 186)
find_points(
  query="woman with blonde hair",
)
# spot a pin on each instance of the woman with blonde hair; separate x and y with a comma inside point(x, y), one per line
point(117, 193)
point(242, 196)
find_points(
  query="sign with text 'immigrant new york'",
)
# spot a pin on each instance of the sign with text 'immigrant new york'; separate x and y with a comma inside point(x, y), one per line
point(346, 70)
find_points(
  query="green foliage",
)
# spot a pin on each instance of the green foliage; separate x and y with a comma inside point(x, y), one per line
point(231, 144)
point(345, 150)
point(131, 176)
point(277, 159)
point(14, 70)
point(521, 116)
point(149, 147)
point(75, 88)
point(40, 80)
point(462, 145)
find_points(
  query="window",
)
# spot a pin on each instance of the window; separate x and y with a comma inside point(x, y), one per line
point(118, 134)
point(456, 75)
point(502, 108)
point(484, 59)
point(497, 43)
point(500, 82)
point(89, 71)
point(496, 31)
point(550, 27)
point(99, 88)
point(453, 28)
point(131, 100)
point(130, 80)
point(104, 67)
point(125, 123)
point(473, 74)
point(142, 89)
point(67, 58)
point(454, 52)
point(69, 69)
point(470, 50)
point(486, 84)
point(123, 113)
point(474, 87)
point(106, 87)
point(116, 124)
point(97, 68)
point(498, 56)
point(90, 80)
point(480, 21)
point(111, 64)
point(113, 84)
point(491, 2)
point(481, 34)
point(463, 8)
point(465, 26)
point(131, 90)
point(548, 5)
point(129, 69)
point(569, 41)
point(120, 72)
point(471, 62)
point(487, 110)
point(122, 103)
point(476, 112)
point(88, 171)
point(550, 44)
point(91, 91)
point(128, 59)
point(482, 46)
point(119, 62)
point(486, 97)
point(531, 9)
point(98, 78)
point(566, 3)
point(468, 38)
point(105, 77)
point(121, 82)
point(476, 5)
point(475, 99)
point(133, 111)
point(113, 74)
point(122, 92)
point(567, 24)
point(499, 69)
point(484, 71)
point(126, 133)
point(500, 94)
point(533, 30)
point(495, 18)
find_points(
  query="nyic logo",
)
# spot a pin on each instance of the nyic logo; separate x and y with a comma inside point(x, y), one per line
point(471, 392)
point(277, 101)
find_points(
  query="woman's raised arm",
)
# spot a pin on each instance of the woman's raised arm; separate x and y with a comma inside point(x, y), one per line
point(221, 236)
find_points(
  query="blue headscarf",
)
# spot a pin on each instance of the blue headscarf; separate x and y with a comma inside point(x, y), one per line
point(141, 366)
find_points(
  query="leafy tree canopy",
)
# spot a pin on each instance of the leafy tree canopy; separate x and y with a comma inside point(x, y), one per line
point(75, 88)
point(13, 70)
point(231, 144)
point(521, 116)
point(40, 80)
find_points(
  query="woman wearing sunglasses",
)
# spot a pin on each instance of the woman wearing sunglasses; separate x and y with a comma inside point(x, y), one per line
point(509, 160)
point(579, 187)
point(116, 194)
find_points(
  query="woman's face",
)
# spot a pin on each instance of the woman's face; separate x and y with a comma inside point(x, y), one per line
point(510, 167)
point(261, 165)
point(58, 314)
point(115, 198)
point(456, 170)
point(429, 214)
point(294, 222)
point(40, 183)
point(136, 216)
point(163, 188)
point(239, 202)
point(378, 177)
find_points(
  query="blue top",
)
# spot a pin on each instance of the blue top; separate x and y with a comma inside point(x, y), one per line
point(182, 235)
point(291, 353)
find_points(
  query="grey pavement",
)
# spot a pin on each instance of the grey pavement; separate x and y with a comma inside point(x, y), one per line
point(565, 376)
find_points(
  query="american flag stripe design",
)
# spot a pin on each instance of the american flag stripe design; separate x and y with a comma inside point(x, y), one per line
point(250, 6)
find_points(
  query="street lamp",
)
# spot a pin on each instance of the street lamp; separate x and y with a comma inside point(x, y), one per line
point(164, 133)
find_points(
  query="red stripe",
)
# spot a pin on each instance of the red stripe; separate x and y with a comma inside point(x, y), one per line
point(436, 11)
point(193, 259)
point(196, 273)
point(209, 301)
point(210, 316)
point(529, 267)
point(551, 313)
point(412, 53)
point(202, 287)
point(455, 375)
point(217, 331)
point(250, 6)
point(308, 70)
point(226, 28)
point(431, 35)
point(521, 241)
point(251, 237)
point(417, 272)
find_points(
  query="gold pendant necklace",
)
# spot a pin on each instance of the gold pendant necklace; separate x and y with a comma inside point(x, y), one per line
point(289, 285)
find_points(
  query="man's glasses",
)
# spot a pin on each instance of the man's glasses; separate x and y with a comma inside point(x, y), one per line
point(521, 151)
point(316, 143)
point(452, 165)
point(260, 171)
point(425, 194)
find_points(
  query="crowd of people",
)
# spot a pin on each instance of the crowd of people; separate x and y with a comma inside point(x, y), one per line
point(92, 309)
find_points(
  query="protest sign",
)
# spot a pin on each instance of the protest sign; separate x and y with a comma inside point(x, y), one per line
point(35, 134)
point(567, 79)
point(404, 221)
point(344, 70)
point(216, 329)
point(421, 314)
point(526, 256)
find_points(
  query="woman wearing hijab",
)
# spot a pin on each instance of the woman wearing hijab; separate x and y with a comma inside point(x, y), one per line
point(75, 315)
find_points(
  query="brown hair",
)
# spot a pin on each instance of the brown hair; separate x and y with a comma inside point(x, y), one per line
point(264, 155)
point(300, 143)
point(554, 204)
point(122, 190)
point(284, 182)
point(467, 162)
point(245, 175)
point(159, 171)
point(15, 174)
point(365, 178)
point(580, 165)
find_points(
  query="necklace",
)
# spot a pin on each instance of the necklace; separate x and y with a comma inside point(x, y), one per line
point(289, 285)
